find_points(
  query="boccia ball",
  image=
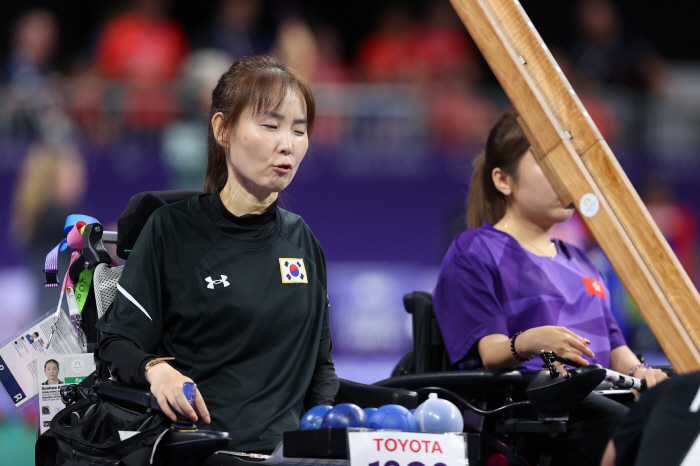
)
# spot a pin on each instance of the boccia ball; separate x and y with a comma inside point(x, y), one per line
point(437, 415)
point(312, 418)
point(369, 412)
point(394, 417)
point(345, 415)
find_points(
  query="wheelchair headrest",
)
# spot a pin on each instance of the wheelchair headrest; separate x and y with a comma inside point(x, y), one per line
point(137, 212)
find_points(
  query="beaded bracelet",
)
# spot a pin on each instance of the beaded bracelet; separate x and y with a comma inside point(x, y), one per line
point(515, 353)
point(637, 366)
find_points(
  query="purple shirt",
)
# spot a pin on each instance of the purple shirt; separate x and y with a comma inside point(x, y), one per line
point(489, 284)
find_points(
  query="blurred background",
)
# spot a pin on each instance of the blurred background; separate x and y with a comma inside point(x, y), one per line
point(100, 100)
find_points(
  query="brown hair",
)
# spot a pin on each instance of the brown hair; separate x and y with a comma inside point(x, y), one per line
point(505, 146)
point(258, 84)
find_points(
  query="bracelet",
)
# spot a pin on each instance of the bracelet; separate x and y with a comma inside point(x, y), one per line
point(637, 366)
point(515, 353)
point(152, 363)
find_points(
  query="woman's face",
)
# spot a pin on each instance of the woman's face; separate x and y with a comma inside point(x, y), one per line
point(533, 197)
point(265, 150)
point(51, 371)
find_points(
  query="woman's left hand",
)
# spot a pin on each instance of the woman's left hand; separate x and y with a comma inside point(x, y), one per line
point(651, 375)
point(623, 360)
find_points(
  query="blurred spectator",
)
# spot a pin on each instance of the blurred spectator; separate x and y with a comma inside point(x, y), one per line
point(437, 55)
point(144, 48)
point(295, 44)
point(51, 185)
point(443, 48)
point(404, 49)
point(238, 28)
point(459, 116)
point(331, 66)
point(590, 95)
point(31, 101)
point(34, 42)
point(198, 77)
point(184, 141)
point(330, 78)
point(92, 109)
point(389, 54)
point(608, 54)
point(676, 220)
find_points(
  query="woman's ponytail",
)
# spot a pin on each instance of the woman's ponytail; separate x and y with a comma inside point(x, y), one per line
point(505, 146)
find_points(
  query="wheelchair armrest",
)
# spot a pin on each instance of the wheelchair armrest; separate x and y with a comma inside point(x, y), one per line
point(481, 378)
point(126, 394)
point(372, 396)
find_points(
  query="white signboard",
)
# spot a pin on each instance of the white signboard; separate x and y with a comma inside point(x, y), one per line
point(394, 448)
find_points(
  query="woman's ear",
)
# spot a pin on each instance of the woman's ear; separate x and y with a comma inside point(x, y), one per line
point(218, 124)
point(502, 181)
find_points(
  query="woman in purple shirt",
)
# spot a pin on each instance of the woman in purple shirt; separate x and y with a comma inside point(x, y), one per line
point(506, 290)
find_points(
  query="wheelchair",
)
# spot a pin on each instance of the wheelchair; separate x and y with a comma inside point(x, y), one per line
point(506, 409)
point(492, 395)
point(124, 407)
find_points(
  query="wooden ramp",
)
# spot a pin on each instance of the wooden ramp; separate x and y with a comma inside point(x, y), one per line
point(583, 171)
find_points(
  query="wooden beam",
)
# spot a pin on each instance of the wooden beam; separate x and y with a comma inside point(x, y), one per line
point(583, 169)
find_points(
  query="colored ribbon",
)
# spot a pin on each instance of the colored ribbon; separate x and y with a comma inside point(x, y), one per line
point(72, 229)
point(51, 264)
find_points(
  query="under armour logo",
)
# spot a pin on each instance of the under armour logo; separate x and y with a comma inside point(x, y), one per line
point(217, 282)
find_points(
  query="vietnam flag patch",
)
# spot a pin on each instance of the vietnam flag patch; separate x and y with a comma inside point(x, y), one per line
point(293, 271)
point(594, 287)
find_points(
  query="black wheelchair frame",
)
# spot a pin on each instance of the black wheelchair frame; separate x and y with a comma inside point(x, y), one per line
point(503, 407)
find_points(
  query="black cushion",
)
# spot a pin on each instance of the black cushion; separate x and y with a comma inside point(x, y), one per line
point(137, 213)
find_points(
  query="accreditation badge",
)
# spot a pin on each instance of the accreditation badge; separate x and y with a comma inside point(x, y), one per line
point(293, 270)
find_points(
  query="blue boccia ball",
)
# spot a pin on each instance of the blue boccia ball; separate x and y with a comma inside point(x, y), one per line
point(312, 418)
point(437, 415)
point(369, 412)
point(394, 417)
point(345, 415)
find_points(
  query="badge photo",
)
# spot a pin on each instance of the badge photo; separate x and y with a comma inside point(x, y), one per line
point(293, 270)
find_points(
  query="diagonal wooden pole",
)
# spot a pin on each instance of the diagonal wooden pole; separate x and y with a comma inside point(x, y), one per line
point(584, 172)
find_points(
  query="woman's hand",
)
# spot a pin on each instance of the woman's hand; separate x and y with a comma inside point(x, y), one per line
point(651, 375)
point(166, 385)
point(562, 341)
point(623, 360)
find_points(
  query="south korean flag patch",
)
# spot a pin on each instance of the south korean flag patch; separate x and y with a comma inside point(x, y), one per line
point(293, 271)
